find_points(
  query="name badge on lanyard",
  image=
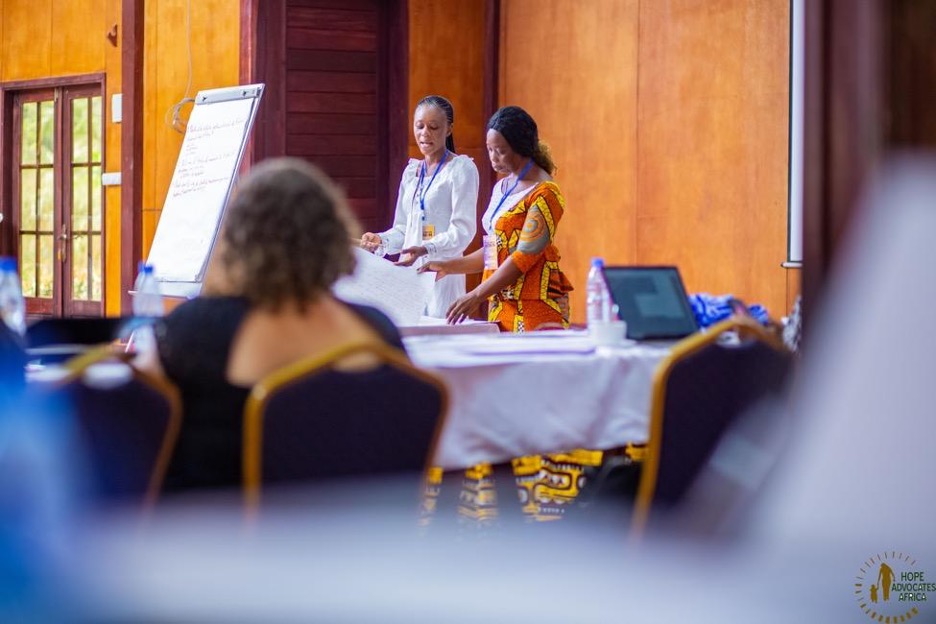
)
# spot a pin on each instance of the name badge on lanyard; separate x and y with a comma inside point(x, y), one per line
point(428, 229)
point(489, 243)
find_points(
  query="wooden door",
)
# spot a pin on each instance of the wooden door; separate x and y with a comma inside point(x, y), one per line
point(335, 72)
point(55, 147)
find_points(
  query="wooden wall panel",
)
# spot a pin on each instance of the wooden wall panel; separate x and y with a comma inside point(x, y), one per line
point(333, 73)
point(153, 125)
point(27, 36)
point(574, 69)
point(712, 144)
point(668, 121)
point(79, 36)
point(215, 28)
point(112, 154)
point(446, 57)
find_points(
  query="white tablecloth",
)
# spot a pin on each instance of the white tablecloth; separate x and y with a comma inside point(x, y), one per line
point(435, 326)
point(513, 395)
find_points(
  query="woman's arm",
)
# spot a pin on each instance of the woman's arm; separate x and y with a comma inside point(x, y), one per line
point(467, 305)
point(472, 263)
point(394, 236)
point(539, 228)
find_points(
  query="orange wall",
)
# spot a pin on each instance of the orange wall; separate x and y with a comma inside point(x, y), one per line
point(712, 144)
point(446, 57)
point(668, 121)
point(215, 46)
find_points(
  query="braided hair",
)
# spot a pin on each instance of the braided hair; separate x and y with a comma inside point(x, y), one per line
point(520, 132)
point(446, 107)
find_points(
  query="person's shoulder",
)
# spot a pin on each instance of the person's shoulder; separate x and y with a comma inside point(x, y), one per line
point(380, 322)
point(411, 170)
point(464, 160)
point(546, 188)
point(369, 312)
point(207, 309)
point(201, 321)
point(210, 303)
point(464, 166)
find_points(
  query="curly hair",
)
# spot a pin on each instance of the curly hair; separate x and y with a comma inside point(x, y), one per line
point(286, 235)
point(519, 130)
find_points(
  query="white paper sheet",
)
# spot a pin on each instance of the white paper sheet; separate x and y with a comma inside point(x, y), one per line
point(195, 200)
point(399, 292)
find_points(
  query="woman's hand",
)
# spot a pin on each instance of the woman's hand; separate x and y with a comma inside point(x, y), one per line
point(409, 255)
point(464, 307)
point(370, 242)
point(439, 267)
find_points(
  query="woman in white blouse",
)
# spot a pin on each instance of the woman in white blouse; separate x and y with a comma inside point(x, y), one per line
point(436, 204)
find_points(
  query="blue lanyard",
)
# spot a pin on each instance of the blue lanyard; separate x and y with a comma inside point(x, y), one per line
point(422, 191)
point(523, 172)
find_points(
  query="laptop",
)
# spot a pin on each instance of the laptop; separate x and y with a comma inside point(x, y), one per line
point(652, 300)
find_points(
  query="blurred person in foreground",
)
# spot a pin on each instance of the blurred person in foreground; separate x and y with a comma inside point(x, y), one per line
point(266, 303)
point(12, 366)
point(522, 281)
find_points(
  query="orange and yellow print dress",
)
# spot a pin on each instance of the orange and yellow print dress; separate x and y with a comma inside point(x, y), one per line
point(525, 233)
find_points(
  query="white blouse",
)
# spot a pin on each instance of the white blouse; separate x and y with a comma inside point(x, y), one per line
point(451, 206)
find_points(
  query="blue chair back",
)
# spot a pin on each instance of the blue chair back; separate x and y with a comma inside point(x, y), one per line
point(319, 419)
point(127, 422)
point(699, 391)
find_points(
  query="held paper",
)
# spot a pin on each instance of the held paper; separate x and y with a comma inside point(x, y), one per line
point(398, 292)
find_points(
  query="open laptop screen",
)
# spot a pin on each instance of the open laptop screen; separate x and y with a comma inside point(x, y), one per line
point(652, 300)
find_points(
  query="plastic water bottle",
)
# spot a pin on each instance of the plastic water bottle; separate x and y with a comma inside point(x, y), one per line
point(381, 249)
point(597, 295)
point(147, 303)
point(12, 304)
point(148, 300)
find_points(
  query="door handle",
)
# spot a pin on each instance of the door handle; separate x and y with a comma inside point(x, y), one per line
point(62, 250)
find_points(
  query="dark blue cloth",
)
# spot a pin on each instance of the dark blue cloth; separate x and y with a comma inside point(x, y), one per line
point(710, 309)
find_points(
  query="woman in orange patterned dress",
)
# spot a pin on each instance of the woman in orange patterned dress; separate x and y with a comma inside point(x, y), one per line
point(522, 281)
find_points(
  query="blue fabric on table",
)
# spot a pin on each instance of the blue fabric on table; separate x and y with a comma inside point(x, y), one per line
point(710, 309)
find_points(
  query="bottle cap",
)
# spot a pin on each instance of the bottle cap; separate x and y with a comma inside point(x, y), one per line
point(7, 263)
point(596, 261)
